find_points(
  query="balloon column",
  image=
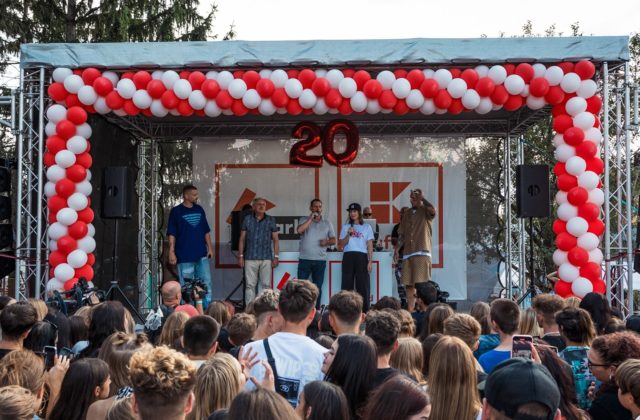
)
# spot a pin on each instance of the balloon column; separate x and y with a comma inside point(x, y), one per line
point(567, 87)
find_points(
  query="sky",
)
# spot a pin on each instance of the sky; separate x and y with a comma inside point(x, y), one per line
point(375, 19)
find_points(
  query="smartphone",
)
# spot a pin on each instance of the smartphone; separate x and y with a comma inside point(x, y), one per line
point(49, 356)
point(521, 346)
point(66, 351)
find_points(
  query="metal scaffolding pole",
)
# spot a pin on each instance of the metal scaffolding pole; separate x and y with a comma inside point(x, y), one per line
point(508, 269)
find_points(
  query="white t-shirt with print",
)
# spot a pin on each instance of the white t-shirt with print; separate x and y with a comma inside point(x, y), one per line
point(358, 241)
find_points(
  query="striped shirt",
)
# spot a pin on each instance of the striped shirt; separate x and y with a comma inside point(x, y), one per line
point(258, 245)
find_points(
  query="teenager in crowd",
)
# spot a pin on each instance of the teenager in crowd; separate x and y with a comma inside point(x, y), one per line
point(397, 398)
point(480, 311)
point(261, 404)
point(437, 313)
point(427, 347)
point(241, 328)
point(598, 307)
point(78, 331)
point(407, 324)
point(16, 322)
point(426, 294)
point(489, 339)
point(40, 307)
point(120, 410)
point(265, 309)
point(345, 312)
point(106, 318)
point(42, 334)
point(322, 400)
point(505, 316)
point(219, 311)
point(467, 329)
point(383, 328)
point(628, 380)
point(546, 307)
point(17, 403)
point(529, 324)
point(200, 338)
point(173, 329)
point(407, 359)
point(351, 364)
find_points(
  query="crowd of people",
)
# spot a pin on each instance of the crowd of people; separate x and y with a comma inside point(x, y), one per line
point(284, 359)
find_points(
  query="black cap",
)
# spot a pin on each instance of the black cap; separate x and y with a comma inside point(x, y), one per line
point(519, 381)
point(354, 206)
point(633, 323)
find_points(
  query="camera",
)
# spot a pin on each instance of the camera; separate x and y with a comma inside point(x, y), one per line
point(191, 285)
point(80, 295)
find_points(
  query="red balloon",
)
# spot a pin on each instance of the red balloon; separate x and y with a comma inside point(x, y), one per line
point(84, 159)
point(565, 182)
point(72, 100)
point(361, 77)
point(388, 100)
point(224, 99)
point(57, 92)
point(114, 100)
point(500, 95)
point(566, 66)
point(55, 144)
point(372, 89)
point(539, 87)
point(597, 123)
point(156, 88)
point(510, 68)
point(559, 169)
point(251, 78)
point(566, 241)
point(400, 73)
point(586, 149)
point(76, 173)
point(563, 289)
point(562, 122)
point(554, 96)
point(320, 87)
point(589, 211)
point(70, 284)
point(559, 226)
point(350, 131)
point(210, 88)
point(56, 203)
point(238, 108)
point(577, 196)
point(130, 108)
point(293, 73)
point(141, 79)
point(401, 107)
point(578, 256)
point(590, 271)
point(184, 74)
point(594, 105)
point(56, 258)
point(455, 108)
point(170, 100)
point(429, 88)
point(333, 99)
point(572, 135)
point(89, 75)
point(525, 70)
point(86, 215)
point(184, 108)
point(102, 86)
point(312, 136)
point(470, 76)
point(345, 107)
point(127, 75)
point(66, 129)
point(65, 187)
point(599, 287)
point(595, 164)
point(585, 69)
point(265, 87)
point(415, 78)
point(596, 227)
point(442, 99)
point(78, 230)
point(196, 79)
point(280, 98)
point(85, 271)
point(514, 102)
point(485, 86)
point(293, 107)
point(77, 115)
point(66, 244)
point(49, 159)
point(91, 259)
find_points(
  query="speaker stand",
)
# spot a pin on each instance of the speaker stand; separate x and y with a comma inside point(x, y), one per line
point(242, 284)
point(531, 290)
point(114, 288)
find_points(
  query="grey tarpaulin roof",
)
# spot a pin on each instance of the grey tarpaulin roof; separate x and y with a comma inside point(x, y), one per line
point(319, 53)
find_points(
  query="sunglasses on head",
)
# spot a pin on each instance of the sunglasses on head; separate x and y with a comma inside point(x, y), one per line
point(368, 214)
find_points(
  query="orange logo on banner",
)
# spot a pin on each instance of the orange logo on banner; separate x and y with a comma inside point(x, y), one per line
point(386, 192)
point(247, 197)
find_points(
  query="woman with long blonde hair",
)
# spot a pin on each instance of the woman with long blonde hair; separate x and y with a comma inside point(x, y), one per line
point(452, 372)
point(172, 329)
point(528, 324)
point(218, 382)
point(407, 358)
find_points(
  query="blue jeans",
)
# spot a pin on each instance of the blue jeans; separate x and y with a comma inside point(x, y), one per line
point(197, 270)
point(313, 270)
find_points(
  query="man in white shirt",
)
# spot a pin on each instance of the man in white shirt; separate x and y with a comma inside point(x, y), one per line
point(294, 358)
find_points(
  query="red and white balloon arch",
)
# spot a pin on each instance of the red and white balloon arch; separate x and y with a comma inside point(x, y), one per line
point(568, 87)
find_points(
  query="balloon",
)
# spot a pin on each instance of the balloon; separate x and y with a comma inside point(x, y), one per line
point(70, 284)
point(587, 89)
point(596, 227)
point(351, 151)
point(87, 95)
point(348, 87)
point(211, 88)
point(91, 259)
point(578, 256)
point(50, 189)
point(112, 76)
point(470, 76)
point(223, 100)
point(416, 77)
point(554, 75)
point(589, 211)
point(86, 215)
point(142, 99)
point(554, 96)
point(565, 241)
point(65, 158)
point(78, 201)
point(320, 108)
point(64, 272)
point(65, 129)
point(559, 226)
point(575, 165)
point(577, 226)
point(61, 73)
point(561, 123)
point(429, 88)
point(500, 96)
point(86, 271)
point(498, 74)
point(102, 86)
point(84, 159)
point(78, 230)
point(415, 99)
point(457, 88)
point(563, 288)
point(581, 287)
point(55, 173)
point(568, 272)
point(577, 196)
point(590, 271)
point(358, 102)
point(65, 187)
point(114, 100)
point(126, 88)
point(182, 88)
point(57, 92)
point(442, 99)
point(485, 86)
point(251, 99)
point(595, 165)
point(596, 256)
point(514, 84)
point(564, 152)
point(596, 196)
point(585, 69)
point(66, 244)
point(77, 258)
point(197, 78)
point(386, 79)
point(334, 76)
point(401, 88)
point(594, 104)
point(575, 106)
point(320, 87)
point(73, 83)
point(56, 113)
point(535, 103)
point(573, 136)
point(565, 182)
point(570, 83)
point(588, 241)
point(57, 231)
point(567, 212)
point(294, 88)
point(559, 257)
point(485, 106)
point(312, 136)
point(539, 87)
point(87, 244)
point(56, 258)
point(66, 216)
point(514, 102)
point(584, 120)
point(387, 99)
point(588, 180)
point(169, 78)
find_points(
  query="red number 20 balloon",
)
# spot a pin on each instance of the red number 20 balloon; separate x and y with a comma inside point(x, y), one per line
point(298, 154)
point(311, 136)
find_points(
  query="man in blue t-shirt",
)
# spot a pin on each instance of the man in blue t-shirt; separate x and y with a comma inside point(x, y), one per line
point(504, 317)
point(190, 240)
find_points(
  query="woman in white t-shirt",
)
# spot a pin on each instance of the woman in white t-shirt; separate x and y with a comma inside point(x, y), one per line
point(356, 241)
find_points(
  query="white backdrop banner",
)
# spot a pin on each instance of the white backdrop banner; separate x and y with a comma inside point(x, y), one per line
point(230, 172)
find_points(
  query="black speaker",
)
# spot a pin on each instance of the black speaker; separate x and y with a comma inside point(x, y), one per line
point(236, 225)
point(532, 190)
point(117, 191)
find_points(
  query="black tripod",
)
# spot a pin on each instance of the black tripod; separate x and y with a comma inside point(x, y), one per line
point(242, 284)
point(531, 290)
point(114, 288)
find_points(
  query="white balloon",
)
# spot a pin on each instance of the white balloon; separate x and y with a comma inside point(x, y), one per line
point(570, 83)
point(577, 226)
point(386, 79)
point(112, 76)
point(558, 140)
point(347, 87)
point(122, 113)
point(65, 158)
point(77, 258)
point(428, 107)
point(561, 197)
point(320, 108)
point(266, 73)
point(169, 77)
point(55, 173)
point(587, 89)
point(50, 129)
point(87, 244)
point(581, 287)
point(554, 75)
point(415, 99)
point(457, 88)
point(182, 88)
point(564, 152)
point(224, 79)
point(56, 113)
point(334, 76)
point(596, 196)
point(126, 88)
point(482, 70)
point(588, 241)
point(213, 74)
point(57, 231)
point(535, 103)
point(575, 165)
point(88, 175)
point(77, 201)
point(252, 99)
point(596, 256)
point(64, 272)
point(197, 100)
point(73, 83)
point(525, 91)
point(54, 285)
point(485, 106)
point(443, 77)
point(211, 109)
point(358, 102)
point(279, 77)
point(157, 109)
point(50, 189)
point(77, 144)
point(84, 130)
point(67, 216)
point(87, 95)
point(53, 245)
point(92, 230)
point(293, 87)
point(230, 112)
point(588, 180)
point(584, 120)
point(373, 106)
point(428, 73)
point(61, 73)
point(568, 272)
point(576, 105)
point(157, 75)
point(471, 99)
point(101, 106)
point(593, 134)
point(539, 69)
point(142, 99)
point(514, 84)
point(84, 187)
point(498, 74)
point(308, 99)
point(401, 88)
point(266, 107)
point(560, 257)
point(567, 211)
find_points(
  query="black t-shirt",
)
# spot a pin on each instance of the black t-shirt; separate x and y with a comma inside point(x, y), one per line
point(607, 407)
point(554, 339)
point(418, 319)
point(4, 352)
point(383, 374)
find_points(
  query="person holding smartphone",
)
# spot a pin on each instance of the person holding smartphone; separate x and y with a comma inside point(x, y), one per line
point(356, 241)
